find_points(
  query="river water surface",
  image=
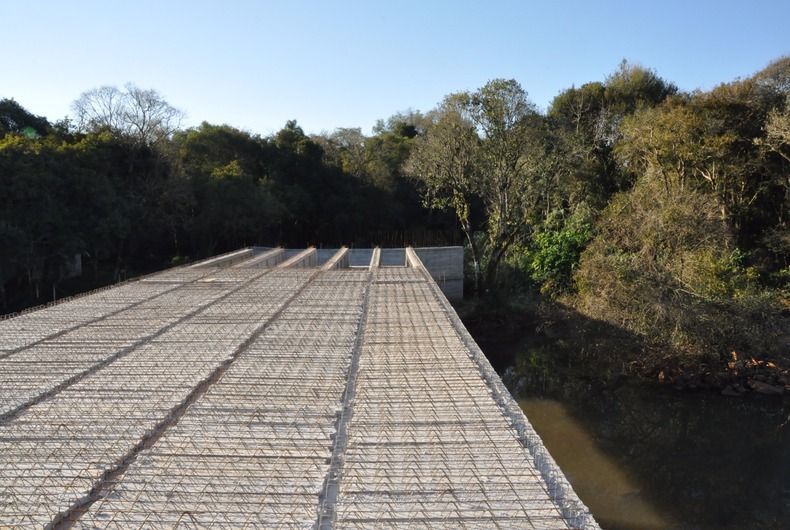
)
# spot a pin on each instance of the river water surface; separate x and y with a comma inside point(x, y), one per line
point(646, 457)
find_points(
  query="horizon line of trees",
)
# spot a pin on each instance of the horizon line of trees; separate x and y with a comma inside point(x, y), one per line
point(129, 191)
point(662, 212)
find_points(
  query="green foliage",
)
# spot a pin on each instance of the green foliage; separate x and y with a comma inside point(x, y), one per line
point(14, 119)
point(722, 275)
point(126, 206)
point(581, 110)
point(554, 252)
point(725, 141)
point(663, 265)
point(485, 147)
point(633, 87)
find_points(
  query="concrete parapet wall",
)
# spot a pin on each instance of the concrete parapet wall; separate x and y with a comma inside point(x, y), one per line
point(446, 267)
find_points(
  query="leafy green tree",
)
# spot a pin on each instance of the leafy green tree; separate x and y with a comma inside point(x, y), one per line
point(351, 148)
point(632, 87)
point(228, 196)
point(552, 257)
point(135, 128)
point(444, 161)
point(582, 111)
point(55, 205)
point(667, 260)
point(711, 140)
point(486, 146)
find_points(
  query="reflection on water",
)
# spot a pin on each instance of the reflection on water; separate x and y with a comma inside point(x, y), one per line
point(603, 486)
point(645, 457)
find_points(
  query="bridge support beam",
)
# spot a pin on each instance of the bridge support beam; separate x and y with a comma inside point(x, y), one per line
point(340, 260)
point(225, 260)
point(375, 259)
point(268, 259)
point(306, 258)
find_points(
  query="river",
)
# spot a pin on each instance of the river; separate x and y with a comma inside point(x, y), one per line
point(649, 457)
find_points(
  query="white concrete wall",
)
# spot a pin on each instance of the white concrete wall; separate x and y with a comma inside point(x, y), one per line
point(446, 266)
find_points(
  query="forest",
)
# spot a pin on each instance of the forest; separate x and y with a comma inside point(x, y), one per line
point(644, 228)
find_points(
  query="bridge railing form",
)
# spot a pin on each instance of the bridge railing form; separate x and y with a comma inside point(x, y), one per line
point(338, 260)
point(444, 264)
point(267, 259)
point(226, 260)
point(559, 489)
point(306, 258)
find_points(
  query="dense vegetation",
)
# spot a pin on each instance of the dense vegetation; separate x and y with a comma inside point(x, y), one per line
point(127, 190)
point(648, 224)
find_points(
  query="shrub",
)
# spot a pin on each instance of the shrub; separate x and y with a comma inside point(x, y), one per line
point(663, 265)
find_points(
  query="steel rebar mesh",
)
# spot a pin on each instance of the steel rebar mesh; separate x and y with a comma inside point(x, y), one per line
point(287, 398)
point(255, 447)
point(427, 445)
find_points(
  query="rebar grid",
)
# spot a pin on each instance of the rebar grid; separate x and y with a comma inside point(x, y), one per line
point(255, 448)
point(54, 452)
point(428, 447)
point(121, 334)
point(280, 398)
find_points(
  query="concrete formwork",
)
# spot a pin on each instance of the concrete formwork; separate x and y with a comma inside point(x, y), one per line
point(446, 267)
point(226, 260)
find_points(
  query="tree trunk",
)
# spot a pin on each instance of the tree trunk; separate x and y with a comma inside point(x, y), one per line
point(478, 273)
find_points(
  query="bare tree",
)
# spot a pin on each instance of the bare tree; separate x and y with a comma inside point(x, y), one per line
point(134, 115)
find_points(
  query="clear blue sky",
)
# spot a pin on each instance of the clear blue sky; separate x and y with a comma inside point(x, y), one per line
point(329, 64)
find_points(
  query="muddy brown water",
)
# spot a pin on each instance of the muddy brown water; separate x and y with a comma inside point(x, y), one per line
point(648, 457)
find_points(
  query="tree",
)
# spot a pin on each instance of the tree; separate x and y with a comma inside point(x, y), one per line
point(444, 161)
point(350, 145)
point(409, 123)
point(581, 110)
point(633, 87)
point(484, 146)
point(15, 119)
point(55, 203)
point(664, 265)
point(134, 115)
point(777, 131)
point(586, 127)
point(230, 195)
point(777, 142)
point(712, 140)
point(674, 143)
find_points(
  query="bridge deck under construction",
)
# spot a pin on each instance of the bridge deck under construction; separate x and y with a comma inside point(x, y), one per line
point(260, 390)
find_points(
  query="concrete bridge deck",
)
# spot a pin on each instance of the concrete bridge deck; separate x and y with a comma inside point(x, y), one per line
point(312, 395)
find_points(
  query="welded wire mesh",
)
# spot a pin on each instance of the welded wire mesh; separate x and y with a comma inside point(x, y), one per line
point(255, 448)
point(281, 398)
point(427, 445)
point(54, 451)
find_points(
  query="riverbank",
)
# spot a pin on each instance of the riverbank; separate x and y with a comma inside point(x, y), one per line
point(534, 333)
point(643, 453)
